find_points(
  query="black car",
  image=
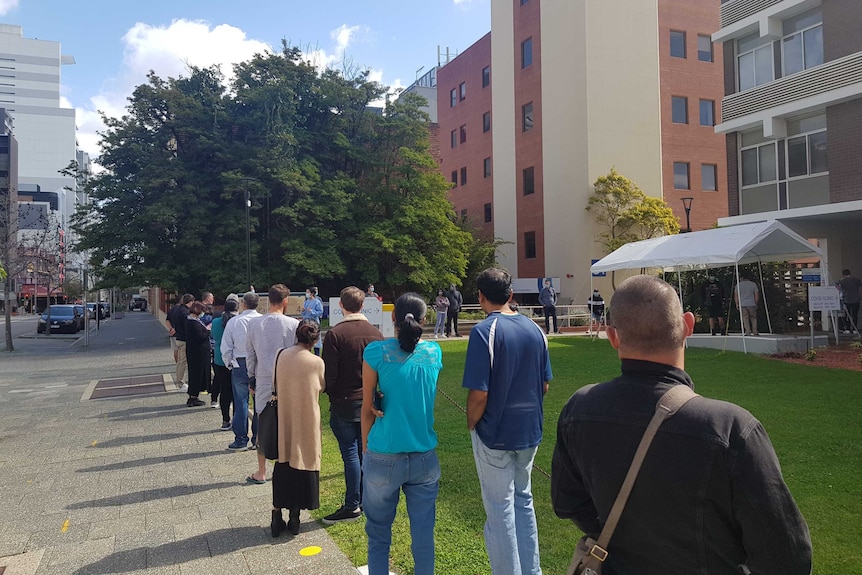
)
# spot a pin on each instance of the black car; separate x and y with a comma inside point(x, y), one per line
point(138, 303)
point(64, 319)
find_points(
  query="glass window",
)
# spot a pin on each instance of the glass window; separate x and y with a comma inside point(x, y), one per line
point(749, 167)
point(677, 44)
point(708, 177)
point(813, 41)
point(754, 61)
point(462, 90)
point(455, 177)
point(704, 48)
point(707, 113)
point(679, 110)
point(453, 98)
point(488, 213)
point(793, 58)
point(797, 157)
point(527, 53)
point(464, 176)
point(527, 117)
point(529, 178)
point(454, 138)
point(524, 2)
point(486, 122)
point(680, 176)
point(817, 152)
point(486, 76)
point(767, 168)
point(486, 165)
point(530, 245)
point(463, 133)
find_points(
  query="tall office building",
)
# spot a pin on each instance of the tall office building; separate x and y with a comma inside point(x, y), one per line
point(792, 117)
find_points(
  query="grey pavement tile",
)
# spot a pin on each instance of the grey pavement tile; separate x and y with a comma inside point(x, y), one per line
point(178, 552)
point(100, 529)
point(77, 554)
point(94, 514)
point(146, 507)
point(128, 541)
point(74, 533)
point(171, 518)
point(23, 520)
point(202, 527)
point(13, 542)
point(232, 564)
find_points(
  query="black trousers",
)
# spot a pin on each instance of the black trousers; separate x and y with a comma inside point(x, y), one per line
point(550, 312)
point(224, 389)
point(451, 322)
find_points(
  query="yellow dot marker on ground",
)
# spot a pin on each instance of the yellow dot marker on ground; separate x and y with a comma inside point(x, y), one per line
point(65, 526)
point(94, 444)
point(309, 551)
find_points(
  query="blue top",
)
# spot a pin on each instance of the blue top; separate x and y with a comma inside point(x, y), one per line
point(312, 309)
point(508, 357)
point(409, 385)
point(216, 333)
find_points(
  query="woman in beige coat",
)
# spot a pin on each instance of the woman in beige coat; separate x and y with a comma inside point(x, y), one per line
point(298, 384)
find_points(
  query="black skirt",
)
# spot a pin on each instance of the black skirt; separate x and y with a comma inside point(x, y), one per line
point(295, 489)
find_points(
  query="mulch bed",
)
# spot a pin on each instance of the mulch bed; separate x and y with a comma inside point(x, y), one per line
point(838, 356)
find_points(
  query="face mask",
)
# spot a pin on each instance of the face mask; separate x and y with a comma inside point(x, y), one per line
point(371, 289)
point(307, 295)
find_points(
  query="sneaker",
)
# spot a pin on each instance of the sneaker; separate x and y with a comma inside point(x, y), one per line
point(184, 388)
point(225, 426)
point(342, 516)
point(436, 336)
point(194, 402)
point(238, 446)
point(214, 404)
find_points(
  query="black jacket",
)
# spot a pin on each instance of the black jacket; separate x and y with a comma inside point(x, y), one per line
point(708, 498)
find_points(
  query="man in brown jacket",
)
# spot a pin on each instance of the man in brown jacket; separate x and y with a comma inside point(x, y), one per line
point(342, 356)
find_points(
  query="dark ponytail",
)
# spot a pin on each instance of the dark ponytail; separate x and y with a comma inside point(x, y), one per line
point(307, 332)
point(410, 310)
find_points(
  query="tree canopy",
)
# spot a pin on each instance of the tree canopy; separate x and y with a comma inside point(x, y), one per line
point(339, 194)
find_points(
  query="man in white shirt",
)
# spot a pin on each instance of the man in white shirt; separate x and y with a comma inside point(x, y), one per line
point(746, 295)
point(267, 334)
point(233, 352)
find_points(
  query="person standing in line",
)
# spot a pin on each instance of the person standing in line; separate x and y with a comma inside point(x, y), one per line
point(746, 295)
point(851, 288)
point(197, 353)
point(176, 322)
point(712, 295)
point(596, 303)
point(507, 370)
point(399, 386)
point(441, 306)
point(207, 318)
point(299, 377)
point(312, 308)
point(548, 301)
point(233, 352)
point(266, 335)
point(221, 379)
point(710, 489)
point(369, 292)
point(343, 346)
point(456, 300)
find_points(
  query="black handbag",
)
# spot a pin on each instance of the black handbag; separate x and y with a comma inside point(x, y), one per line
point(267, 421)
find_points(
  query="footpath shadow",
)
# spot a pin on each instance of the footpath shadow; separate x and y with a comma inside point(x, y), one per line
point(123, 441)
point(148, 495)
point(134, 411)
point(149, 461)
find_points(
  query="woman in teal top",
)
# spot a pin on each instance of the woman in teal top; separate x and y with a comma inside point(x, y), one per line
point(398, 438)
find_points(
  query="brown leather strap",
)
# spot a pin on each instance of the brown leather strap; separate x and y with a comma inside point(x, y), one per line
point(667, 405)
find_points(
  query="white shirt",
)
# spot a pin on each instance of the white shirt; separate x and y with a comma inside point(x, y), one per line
point(747, 293)
point(233, 342)
point(266, 335)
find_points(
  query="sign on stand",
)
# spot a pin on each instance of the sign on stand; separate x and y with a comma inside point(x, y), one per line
point(823, 298)
point(373, 309)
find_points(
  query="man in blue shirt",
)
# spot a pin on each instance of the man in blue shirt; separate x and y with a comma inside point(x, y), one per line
point(507, 371)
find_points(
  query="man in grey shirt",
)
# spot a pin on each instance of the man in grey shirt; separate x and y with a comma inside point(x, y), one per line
point(266, 335)
point(746, 295)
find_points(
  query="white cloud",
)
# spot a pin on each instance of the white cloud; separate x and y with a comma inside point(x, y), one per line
point(7, 5)
point(342, 36)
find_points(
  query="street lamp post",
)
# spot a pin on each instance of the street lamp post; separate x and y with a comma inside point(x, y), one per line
point(686, 204)
point(247, 195)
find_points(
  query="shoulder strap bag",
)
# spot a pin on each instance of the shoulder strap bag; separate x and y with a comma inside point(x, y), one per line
point(591, 554)
point(267, 421)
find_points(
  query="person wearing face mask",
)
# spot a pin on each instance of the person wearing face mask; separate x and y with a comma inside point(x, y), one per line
point(312, 309)
point(369, 292)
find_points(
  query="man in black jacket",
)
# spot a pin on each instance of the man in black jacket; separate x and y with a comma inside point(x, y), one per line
point(710, 497)
point(176, 322)
point(455, 302)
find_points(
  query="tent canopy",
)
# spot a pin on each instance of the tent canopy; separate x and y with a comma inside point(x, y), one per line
point(763, 241)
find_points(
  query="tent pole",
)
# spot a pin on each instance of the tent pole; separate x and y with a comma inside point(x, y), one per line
point(739, 309)
point(763, 293)
point(681, 301)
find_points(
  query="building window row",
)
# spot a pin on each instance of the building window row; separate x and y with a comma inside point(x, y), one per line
point(486, 76)
point(679, 111)
point(530, 245)
point(528, 180)
point(682, 176)
point(678, 47)
point(459, 136)
point(488, 213)
point(527, 117)
point(803, 153)
point(527, 53)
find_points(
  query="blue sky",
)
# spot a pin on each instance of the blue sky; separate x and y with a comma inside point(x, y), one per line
point(115, 42)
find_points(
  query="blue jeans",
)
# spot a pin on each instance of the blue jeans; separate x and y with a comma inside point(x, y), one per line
point(239, 385)
point(349, 437)
point(440, 326)
point(384, 476)
point(511, 536)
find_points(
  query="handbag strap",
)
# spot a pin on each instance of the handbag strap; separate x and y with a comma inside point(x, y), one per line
point(274, 372)
point(668, 404)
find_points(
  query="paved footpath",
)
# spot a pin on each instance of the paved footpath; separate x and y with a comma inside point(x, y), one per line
point(130, 485)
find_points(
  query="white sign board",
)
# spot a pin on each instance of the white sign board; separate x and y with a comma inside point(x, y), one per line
point(533, 285)
point(372, 309)
point(825, 298)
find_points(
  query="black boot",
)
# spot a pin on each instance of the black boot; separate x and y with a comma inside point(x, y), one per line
point(293, 522)
point(277, 525)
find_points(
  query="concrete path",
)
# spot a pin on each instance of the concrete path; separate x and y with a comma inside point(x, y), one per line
point(130, 485)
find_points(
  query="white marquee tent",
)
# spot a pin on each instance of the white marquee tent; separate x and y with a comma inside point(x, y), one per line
point(759, 242)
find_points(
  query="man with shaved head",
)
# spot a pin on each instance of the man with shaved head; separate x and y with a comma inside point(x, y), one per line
point(709, 497)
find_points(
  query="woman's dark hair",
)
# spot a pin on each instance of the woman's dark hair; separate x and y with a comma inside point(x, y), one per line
point(410, 310)
point(197, 308)
point(307, 332)
point(230, 307)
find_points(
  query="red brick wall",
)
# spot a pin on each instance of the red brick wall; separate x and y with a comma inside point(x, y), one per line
point(696, 80)
point(478, 191)
point(844, 151)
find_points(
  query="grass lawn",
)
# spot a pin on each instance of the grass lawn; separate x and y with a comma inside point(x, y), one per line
point(813, 415)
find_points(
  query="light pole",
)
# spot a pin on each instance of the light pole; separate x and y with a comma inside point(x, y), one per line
point(247, 195)
point(686, 204)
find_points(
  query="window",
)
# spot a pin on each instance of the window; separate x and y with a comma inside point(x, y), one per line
point(455, 177)
point(754, 61)
point(462, 91)
point(453, 98)
point(464, 176)
point(802, 44)
point(708, 177)
point(488, 214)
point(454, 138)
point(707, 113)
point(759, 164)
point(680, 176)
point(529, 180)
point(527, 117)
point(530, 245)
point(486, 167)
point(486, 122)
point(486, 76)
point(526, 53)
point(679, 109)
point(677, 44)
point(806, 155)
point(704, 48)
point(524, 2)
point(463, 133)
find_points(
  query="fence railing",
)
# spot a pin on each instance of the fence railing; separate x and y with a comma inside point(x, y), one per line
point(567, 315)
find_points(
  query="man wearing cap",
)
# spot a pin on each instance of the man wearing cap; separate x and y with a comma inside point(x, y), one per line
point(712, 295)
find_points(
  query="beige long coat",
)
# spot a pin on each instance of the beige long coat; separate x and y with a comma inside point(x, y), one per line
point(299, 381)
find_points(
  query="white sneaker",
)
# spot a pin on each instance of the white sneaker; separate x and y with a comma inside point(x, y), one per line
point(184, 388)
point(436, 336)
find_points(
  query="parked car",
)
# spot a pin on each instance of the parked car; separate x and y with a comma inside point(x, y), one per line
point(138, 303)
point(91, 310)
point(64, 318)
